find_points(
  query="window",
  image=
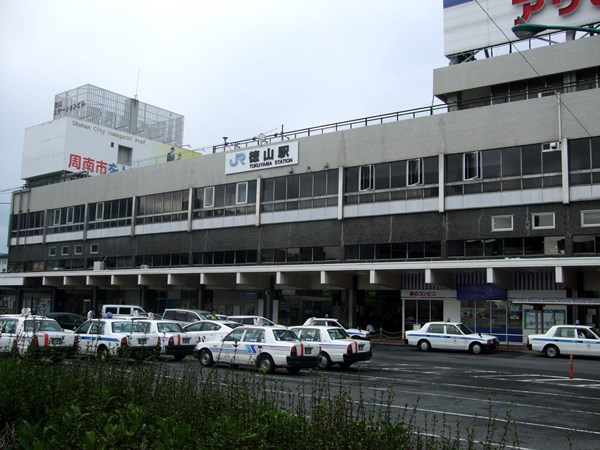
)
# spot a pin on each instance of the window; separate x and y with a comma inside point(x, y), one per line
point(241, 193)
point(52, 251)
point(366, 178)
point(70, 214)
point(56, 217)
point(94, 248)
point(64, 250)
point(502, 223)
point(209, 197)
point(414, 172)
point(99, 211)
point(471, 166)
point(124, 155)
point(590, 218)
point(540, 221)
point(78, 250)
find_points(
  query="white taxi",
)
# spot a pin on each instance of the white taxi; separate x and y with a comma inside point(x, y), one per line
point(174, 341)
point(209, 330)
point(450, 336)
point(567, 340)
point(116, 337)
point(266, 348)
point(355, 333)
point(337, 347)
point(22, 334)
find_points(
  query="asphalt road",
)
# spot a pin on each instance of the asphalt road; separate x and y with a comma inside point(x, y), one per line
point(513, 399)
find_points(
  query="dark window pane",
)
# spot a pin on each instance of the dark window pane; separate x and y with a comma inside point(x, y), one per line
point(252, 192)
point(332, 181)
point(293, 186)
point(493, 247)
point(472, 188)
point(511, 161)
point(431, 170)
point(491, 163)
point(433, 249)
point(306, 188)
point(513, 246)
point(455, 248)
point(415, 250)
point(351, 180)
point(320, 186)
point(579, 154)
point(579, 179)
point(219, 195)
point(532, 161)
point(532, 183)
point(551, 162)
point(595, 142)
point(268, 188)
point(382, 176)
point(511, 185)
point(280, 188)
point(351, 252)
point(553, 181)
point(454, 167)
point(398, 175)
point(383, 251)
point(474, 248)
point(367, 251)
point(583, 244)
point(492, 186)
point(230, 194)
point(534, 245)
point(398, 251)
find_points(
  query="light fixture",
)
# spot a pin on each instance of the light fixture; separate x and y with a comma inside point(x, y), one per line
point(524, 30)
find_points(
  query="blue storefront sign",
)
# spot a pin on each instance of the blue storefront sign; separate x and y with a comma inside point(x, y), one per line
point(474, 292)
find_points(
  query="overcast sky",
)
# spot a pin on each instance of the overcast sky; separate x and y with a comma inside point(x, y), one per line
point(233, 68)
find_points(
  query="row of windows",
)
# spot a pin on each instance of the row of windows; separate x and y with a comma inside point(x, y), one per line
point(514, 168)
point(469, 248)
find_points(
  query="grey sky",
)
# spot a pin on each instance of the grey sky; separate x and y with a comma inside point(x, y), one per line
point(233, 68)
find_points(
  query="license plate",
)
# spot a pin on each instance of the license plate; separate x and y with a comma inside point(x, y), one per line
point(186, 340)
point(361, 346)
point(308, 351)
point(142, 341)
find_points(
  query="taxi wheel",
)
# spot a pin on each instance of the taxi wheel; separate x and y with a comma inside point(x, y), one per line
point(265, 364)
point(206, 358)
point(551, 351)
point(324, 361)
point(476, 348)
point(424, 346)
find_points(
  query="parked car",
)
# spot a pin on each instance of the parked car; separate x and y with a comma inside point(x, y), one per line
point(116, 311)
point(254, 320)
point(38, 335)
point(116, 337)
point(209, 330)
point(566, 340)
point(337, 347)
point(450, 336)
point(355, 333)
point(266, 348)
point(174, 341)
point(186, 316)
point(68, 321)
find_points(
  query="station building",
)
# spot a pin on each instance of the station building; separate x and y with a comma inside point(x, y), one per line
point(483, 208)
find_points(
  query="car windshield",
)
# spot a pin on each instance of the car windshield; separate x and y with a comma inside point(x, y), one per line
point(42, 325)
point(285, 335)
point(127, 327)
point(169, 327)
point(465, 329)
point(596, 332)
point(338, 333)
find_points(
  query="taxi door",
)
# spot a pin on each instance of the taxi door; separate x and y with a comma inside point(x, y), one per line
point(454, 338)
point(231, 347)
point(8, 328)
point(436, 335)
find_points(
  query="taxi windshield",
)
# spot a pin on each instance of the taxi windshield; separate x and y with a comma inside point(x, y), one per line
point(464, 329)
point(42, 325)
point(169, 327)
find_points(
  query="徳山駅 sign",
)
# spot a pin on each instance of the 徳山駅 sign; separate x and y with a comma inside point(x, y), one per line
point(471, 25)
point(264, 157)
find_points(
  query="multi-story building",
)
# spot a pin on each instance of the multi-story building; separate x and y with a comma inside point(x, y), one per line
point(484, 209)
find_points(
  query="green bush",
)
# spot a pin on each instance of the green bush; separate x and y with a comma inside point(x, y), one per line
point(90, 404)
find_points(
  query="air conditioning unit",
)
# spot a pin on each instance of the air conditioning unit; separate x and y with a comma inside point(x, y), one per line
point(98, 265)
point(144, 266)
point(550, 146)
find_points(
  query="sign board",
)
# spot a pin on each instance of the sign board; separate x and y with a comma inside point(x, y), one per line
point(264, 157)
point(474, 292)
point(470, 25)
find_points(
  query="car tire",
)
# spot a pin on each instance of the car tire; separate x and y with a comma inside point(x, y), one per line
point(324, 361)
point(293, 370)
point(551, 351)
point(103, 353)
point(476, 348)
point(205, 357)
point(265, 364)
point(424, 345)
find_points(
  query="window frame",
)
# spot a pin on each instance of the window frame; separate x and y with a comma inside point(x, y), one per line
point(366, 177)
point(238, 189)
point(209, 199)
point(413, 165)
point(502, 217)
point(470, 166)
point(590, 211)
point(543, 214)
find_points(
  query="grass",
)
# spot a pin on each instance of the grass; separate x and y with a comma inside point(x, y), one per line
point(90, 404)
